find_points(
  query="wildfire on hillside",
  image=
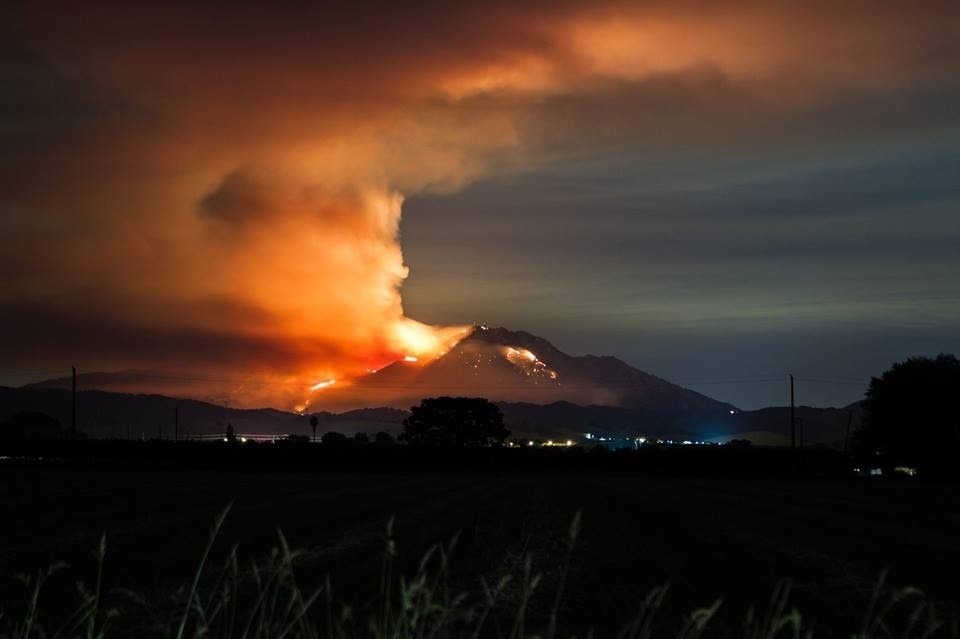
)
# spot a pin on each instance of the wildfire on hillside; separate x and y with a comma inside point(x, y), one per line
point(528, 363)
point(419, 344)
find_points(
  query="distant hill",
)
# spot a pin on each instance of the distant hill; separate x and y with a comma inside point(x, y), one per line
point(105, 414)
point(142, 382)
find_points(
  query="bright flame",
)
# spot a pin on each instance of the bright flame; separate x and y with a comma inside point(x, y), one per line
point(422, 341)
point(528, 362)
point(323, 384)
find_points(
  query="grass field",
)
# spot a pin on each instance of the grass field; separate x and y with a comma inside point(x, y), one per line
point(709, 537)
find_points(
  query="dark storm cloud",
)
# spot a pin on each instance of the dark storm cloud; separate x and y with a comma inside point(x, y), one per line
point(910, 199)
point(49, 335)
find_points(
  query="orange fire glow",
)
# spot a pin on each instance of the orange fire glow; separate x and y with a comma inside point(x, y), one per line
point(323, 384)
point(252, 230)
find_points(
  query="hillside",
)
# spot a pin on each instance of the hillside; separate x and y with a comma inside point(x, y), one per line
point(516, 366)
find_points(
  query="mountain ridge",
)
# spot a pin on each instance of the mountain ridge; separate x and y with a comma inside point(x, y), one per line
point(541, 390)
point(105, 414)
point(517, 366)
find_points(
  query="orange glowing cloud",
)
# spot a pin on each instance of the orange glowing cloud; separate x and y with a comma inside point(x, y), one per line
point(219, 188)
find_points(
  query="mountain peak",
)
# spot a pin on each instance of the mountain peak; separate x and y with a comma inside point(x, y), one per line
point(518, 366)
point(493, 362)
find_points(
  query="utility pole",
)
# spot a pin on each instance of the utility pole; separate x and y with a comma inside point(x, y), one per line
point(793, 421)
point(73, 404)
point(176, 423)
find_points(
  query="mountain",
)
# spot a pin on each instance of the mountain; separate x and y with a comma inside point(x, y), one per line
point(516, 366)
point(226, 391)
point(106, 414)
point(502, 365)
point(542, 391)
point(128, 381)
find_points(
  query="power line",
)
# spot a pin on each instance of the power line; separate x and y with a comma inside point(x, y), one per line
point(821, 380)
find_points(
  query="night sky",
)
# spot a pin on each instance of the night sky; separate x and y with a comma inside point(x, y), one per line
point(719, 193)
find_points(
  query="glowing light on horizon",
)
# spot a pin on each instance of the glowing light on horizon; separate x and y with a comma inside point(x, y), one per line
point(411, 358)
point(551, 443)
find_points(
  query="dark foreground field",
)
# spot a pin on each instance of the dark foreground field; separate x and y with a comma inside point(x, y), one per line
point(709, 537)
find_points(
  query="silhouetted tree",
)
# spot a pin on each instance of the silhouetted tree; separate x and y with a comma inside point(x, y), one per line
point(911, 414)
point(383, 439)
point(333, 438)
point(231, 434)
point(314, 421)
point(361, 439)
point(30, 425)
point(455, 421)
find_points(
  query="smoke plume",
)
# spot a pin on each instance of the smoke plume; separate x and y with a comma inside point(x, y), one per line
point(215, 191)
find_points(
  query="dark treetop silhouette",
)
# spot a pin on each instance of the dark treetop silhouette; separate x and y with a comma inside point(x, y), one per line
point(911, 414)
point(455, 421)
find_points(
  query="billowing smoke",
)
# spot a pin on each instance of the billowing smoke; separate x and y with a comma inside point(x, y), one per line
point(212, 194)
point(327, 265)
